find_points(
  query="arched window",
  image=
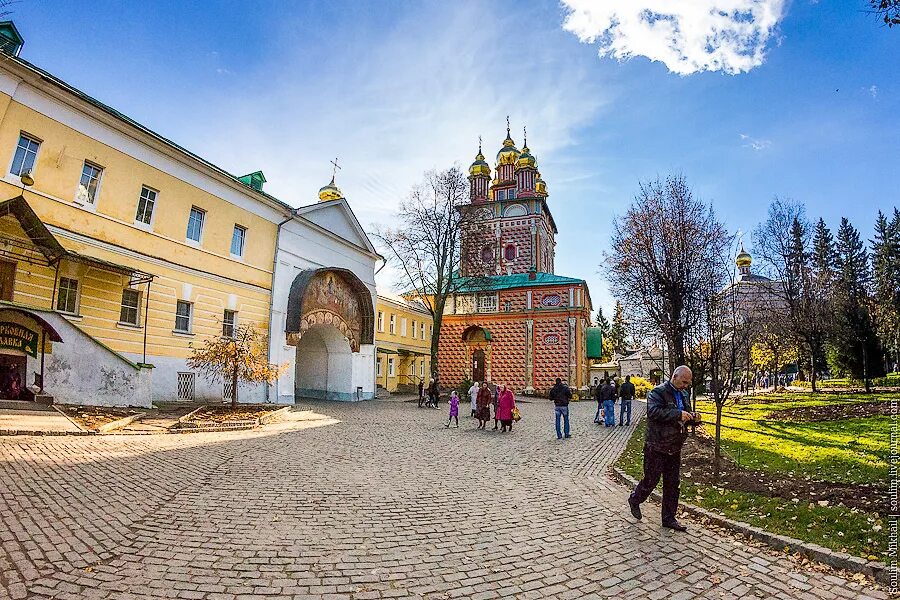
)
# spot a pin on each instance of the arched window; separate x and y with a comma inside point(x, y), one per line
point(487, 254)
point(510, 252)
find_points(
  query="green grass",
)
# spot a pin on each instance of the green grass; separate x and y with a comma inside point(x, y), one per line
point(849, 450)
point(821, 450)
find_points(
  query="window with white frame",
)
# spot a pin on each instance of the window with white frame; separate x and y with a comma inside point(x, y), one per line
point(195, 224)
point(380, 321)
point(390, 367)
point(26, 154)
point(89, 185)
point(131, 307)
point(237, 240)
point(403, 326)
point(378, 367)
point(487, 303)
point(423, 331)
point(146, 204)
point(414, 327)
point(183, 312)
point(422, 368)
point(392, 327)
point(412, 369)
point(67, 295)
point(229, 323)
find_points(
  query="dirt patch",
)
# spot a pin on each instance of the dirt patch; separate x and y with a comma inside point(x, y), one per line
point(697, 466)
point(94, 417)
point(832, 412)
point(226, 414)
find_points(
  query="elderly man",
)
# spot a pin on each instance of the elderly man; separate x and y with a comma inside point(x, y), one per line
point(668, 413)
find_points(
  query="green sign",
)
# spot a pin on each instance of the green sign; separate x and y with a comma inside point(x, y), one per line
point(17, 337)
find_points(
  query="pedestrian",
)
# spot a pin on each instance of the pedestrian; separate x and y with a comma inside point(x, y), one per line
point(421, 392)
point(473, 398)
point(668, 413)
point(436, 393)
point(561, 394)
point(496, 402)
point(506, 404)
point(454, 408)
point(626, 395)
point(483, 412)
point(609, 405)
point(598, 395)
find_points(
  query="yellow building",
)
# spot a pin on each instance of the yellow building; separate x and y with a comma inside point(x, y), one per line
point(403, 343)
point(118, 248)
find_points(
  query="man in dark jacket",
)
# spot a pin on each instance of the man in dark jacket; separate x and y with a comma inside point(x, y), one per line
point(605, 392)
point(626, 395)
point(561, 394)
point(668, 412)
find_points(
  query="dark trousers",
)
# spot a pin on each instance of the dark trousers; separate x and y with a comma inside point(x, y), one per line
point(659, 464)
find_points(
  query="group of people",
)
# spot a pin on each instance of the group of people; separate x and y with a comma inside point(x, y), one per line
point(482, 399)
point(606, 394)
point(429, 397)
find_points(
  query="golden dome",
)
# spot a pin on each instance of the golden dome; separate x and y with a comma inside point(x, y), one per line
point(526, 159)
point(540, 187)
point(330, 192)
point(743, 259)
point(508, 154)
point(480, 167)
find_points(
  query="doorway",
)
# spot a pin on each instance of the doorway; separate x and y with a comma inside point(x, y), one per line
point(12, 377)
point(478, 365)
point(324, 365)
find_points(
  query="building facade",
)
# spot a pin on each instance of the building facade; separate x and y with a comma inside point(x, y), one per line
point(513, 321)
point(403, 341)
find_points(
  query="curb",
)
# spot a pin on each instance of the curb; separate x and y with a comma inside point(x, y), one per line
point(274, 415)
point(119, 423)
point(9, 432)
point(80, 427)
point(839, 560)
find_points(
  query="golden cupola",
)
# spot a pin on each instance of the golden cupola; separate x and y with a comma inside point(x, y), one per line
point(330, 192)
point(526, 160)
point(508, 154)
point(540, 187)
point(743, 259)
point(480, 167)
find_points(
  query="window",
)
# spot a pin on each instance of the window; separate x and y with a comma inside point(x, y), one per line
point(393, 324)
point(227, 390)
point(422, 368)
point(195, 224)
point(229, 323)
point(487, 254)
point(487, 303)
point(403, 326)
point(67, 295)
point(507, 305)
point(26, 153)
point(423, 331)
point(390, 367)
point(131, 302)
point(501, 194)
point(510, 252)
point(89, 185)
point(380, 321)
point(414, 329)
point(183, 316)
point(145, 206)
point(412, 369)
point(237, 240)
point(378, 368)
point(186, 386)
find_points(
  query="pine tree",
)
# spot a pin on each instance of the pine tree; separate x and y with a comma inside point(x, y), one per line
point(823, 258)
point(617, 332)
point(606, 350)
point(856, 347)
point(601, 322)
point(886, 280)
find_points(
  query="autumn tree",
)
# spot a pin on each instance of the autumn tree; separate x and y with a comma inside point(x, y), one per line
point(662, 252)
point(239, 358)
point(424, 244)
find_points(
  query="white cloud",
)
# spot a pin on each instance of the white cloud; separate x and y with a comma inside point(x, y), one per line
point(755, 143)
point(873, 91)
point(688, 36)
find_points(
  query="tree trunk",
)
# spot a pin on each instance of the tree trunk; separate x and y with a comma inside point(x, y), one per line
point(436, 322)
point(812, 371)
point(718, 455)
point(234, 387)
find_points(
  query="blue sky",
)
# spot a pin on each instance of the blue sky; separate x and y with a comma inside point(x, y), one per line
point(803, 105)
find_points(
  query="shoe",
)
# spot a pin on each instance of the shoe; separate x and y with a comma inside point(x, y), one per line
point(635, 510)
point(675, 525)
point(559, 437)
point(568, 436)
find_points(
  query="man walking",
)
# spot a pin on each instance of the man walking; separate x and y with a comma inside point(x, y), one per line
point(561, 394)
point(626, 395)
point(603, 390)
point(668, 412)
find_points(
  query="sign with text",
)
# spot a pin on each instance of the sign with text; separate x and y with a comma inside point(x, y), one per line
point(17, 337)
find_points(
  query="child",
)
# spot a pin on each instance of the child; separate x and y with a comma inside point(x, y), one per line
point(454, 409)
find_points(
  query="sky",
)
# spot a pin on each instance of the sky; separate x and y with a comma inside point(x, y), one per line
point(748, 99)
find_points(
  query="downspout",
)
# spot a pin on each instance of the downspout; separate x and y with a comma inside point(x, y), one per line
point(272, 293)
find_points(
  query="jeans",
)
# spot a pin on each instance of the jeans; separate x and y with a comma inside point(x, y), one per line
point(599, 408)
point(609, 412)
point(624, 406)
point(562, 411)
point(659, 464)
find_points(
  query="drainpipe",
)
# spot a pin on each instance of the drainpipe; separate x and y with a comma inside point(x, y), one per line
point(293, 213)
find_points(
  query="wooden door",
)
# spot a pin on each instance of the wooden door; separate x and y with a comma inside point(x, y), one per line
point(478, 365)
point(7, 280)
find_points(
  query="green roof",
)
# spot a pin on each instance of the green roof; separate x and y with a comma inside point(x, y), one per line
point(507, 282)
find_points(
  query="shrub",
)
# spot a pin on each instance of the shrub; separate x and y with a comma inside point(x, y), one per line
point(642, 386)
point(463, 388)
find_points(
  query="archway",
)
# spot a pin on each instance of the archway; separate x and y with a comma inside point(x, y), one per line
point(323, 369)
point(477, 341)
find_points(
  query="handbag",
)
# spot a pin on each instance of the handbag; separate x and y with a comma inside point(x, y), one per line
point(516, 415)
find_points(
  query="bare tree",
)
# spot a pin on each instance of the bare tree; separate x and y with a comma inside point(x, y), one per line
point(425, 242)
point(887, 10)
point(662, 254)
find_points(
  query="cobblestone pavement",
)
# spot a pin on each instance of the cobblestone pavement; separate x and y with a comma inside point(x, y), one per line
point(382, 503)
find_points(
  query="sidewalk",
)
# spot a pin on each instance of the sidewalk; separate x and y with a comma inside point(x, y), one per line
point(18, 416)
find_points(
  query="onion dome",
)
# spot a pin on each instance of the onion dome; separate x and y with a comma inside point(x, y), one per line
point(508, 154)
point(330, 192)
point(526, 159)
point(480, 167)
point(540, 187)
point(743, 259)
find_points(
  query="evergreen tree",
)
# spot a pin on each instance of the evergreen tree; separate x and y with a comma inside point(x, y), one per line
point(601, 321)
point(606, 350)
point(823, 258)
point(886, 280)
point(857, 349)
point(617, 332)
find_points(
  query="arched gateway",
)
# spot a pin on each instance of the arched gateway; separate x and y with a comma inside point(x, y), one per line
point(330, 322)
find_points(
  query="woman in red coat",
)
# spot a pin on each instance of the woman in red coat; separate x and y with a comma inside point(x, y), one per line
point(505, 405)
point(483, 403)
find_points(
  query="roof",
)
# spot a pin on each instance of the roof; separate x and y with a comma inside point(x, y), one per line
point(409, 304)
point(517, 280)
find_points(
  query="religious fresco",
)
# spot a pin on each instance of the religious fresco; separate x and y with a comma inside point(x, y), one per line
point(330, 300)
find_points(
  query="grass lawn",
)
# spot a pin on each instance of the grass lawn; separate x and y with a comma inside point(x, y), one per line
point(828, 451)
point(847, 450)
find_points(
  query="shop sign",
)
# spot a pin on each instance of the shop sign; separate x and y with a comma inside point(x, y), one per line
point(17, 337)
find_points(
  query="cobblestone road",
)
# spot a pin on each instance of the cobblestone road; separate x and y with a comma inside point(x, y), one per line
point(384, 503)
